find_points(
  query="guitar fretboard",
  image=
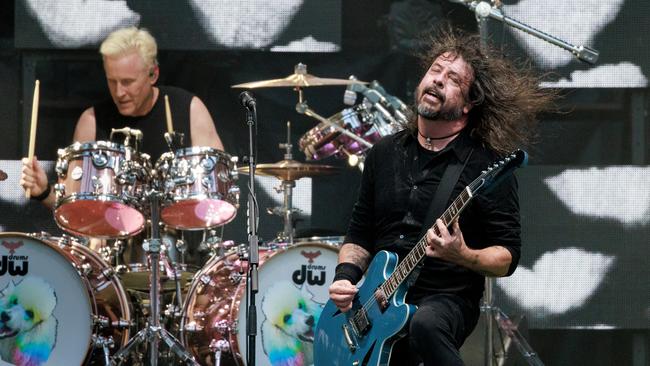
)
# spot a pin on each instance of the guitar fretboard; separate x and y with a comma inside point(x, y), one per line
point(418, 253)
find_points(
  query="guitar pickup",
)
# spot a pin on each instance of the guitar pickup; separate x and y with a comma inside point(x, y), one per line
point(360, 322)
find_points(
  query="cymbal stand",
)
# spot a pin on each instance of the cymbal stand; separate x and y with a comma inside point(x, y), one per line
point(286, 211)
point(153, 331)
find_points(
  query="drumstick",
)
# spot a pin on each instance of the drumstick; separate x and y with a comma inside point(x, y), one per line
point(32, 132)
point(168, 113)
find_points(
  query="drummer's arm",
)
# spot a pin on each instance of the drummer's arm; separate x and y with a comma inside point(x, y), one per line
point(202, 130)
point(85, 130)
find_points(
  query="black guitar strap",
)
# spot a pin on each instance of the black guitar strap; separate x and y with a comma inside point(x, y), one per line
point(439, 203)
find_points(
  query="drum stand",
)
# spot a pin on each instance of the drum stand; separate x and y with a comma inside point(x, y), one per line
point(153, 331)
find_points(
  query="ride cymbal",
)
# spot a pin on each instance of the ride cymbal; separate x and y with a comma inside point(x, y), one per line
point(299, 79)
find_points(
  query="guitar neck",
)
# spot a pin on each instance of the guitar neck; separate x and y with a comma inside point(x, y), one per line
point(417, 254)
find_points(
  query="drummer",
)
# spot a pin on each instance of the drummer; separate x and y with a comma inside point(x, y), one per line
point(131, 68)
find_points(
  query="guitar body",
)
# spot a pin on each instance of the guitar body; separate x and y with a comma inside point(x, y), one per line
point(371, 343)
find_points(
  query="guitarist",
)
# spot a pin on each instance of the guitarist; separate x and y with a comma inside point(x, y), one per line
point(472, 106)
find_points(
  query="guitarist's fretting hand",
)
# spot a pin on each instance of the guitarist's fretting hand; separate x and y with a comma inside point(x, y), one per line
point(448, 246)
point(342, 293)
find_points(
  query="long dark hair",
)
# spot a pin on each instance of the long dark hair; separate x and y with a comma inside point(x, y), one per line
point(506, 99)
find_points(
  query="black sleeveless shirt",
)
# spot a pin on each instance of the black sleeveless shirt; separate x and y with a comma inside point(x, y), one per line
point(153, 125)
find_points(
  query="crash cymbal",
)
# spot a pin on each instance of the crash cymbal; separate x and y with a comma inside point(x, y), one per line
point(299, 79)
point(291, 170)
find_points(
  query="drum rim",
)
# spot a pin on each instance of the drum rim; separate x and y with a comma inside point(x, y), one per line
point(83, 147)
point(51, 243)
point(193, 150)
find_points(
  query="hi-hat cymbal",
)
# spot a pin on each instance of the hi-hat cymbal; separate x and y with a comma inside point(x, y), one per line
point(299, 79)
point(291, 170)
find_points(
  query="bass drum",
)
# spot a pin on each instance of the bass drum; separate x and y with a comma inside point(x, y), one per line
point(293, 288)
point(60, 303)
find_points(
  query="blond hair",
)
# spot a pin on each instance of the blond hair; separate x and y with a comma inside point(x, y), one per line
point(125, 40)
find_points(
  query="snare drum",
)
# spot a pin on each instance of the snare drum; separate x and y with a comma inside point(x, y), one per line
point(293, 288)
point(60, 302)
point(101, 189)
point(199, 189)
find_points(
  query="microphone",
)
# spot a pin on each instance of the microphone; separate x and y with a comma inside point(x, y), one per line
point(247, 100)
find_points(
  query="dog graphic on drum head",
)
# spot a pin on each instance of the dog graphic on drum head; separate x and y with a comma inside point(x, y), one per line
point(27, 324)
point(288, 330)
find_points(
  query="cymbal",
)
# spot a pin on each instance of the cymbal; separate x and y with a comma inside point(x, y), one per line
point(299, 79)
point(291, 170)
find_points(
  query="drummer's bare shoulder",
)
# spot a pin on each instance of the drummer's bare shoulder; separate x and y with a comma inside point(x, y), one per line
point(85, 130)
point(202, 128)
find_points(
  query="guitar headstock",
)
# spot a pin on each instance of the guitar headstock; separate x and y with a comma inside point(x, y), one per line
point(498, 170)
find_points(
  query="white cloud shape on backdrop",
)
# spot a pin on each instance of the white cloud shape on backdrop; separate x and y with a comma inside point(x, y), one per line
point(559, 281)
point(76, 23)
point(621, 193)
point(249, 24)
point(308, 43)
point(622, 75)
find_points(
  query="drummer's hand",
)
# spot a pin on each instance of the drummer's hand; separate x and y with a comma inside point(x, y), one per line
point(342, 293)
point(33, 177)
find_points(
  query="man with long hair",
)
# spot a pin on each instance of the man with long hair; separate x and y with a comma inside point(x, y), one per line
point(472, 106)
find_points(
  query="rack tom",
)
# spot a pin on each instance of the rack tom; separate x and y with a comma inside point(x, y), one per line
point(198, 188)
point(101, 188)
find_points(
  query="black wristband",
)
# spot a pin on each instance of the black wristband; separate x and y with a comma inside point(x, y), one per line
point(46, 193)
point(348, 271)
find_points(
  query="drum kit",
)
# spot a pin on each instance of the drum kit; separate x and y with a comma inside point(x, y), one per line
point(91, 304)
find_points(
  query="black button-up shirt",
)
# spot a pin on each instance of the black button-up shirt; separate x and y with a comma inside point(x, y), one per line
point(397, 187)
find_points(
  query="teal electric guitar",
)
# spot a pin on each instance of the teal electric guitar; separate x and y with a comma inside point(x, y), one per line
point(364, 335)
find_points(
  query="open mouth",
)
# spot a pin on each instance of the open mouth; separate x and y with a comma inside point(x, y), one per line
point(434, 94)
point(307, 337)
point(6, 332)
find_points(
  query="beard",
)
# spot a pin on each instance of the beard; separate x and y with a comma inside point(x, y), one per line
point(445, 113)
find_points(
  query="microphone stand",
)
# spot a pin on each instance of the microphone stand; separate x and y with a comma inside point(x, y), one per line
point(253, 253)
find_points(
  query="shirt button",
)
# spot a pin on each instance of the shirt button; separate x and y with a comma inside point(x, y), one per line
point(401, 236)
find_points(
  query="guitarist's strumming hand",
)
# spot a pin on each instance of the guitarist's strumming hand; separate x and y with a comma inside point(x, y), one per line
point(342, 293)
point(449, 246)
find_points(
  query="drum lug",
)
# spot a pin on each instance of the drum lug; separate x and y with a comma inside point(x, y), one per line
point(59, 190)
point(61, 167)
point(101, 342)
point(86, 269)
point(220, 345)
point(100, 321)
point(97, 184)
point(234, 191)
point(206, 181)
point(193, 327)
point(122, 324)
point(224, 327)
point(234, 173)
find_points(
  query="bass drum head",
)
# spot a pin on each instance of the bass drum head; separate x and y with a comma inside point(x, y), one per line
point(293, 288)
point(46, 311)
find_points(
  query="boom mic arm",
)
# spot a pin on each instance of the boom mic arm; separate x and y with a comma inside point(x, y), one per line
point(483, 9)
